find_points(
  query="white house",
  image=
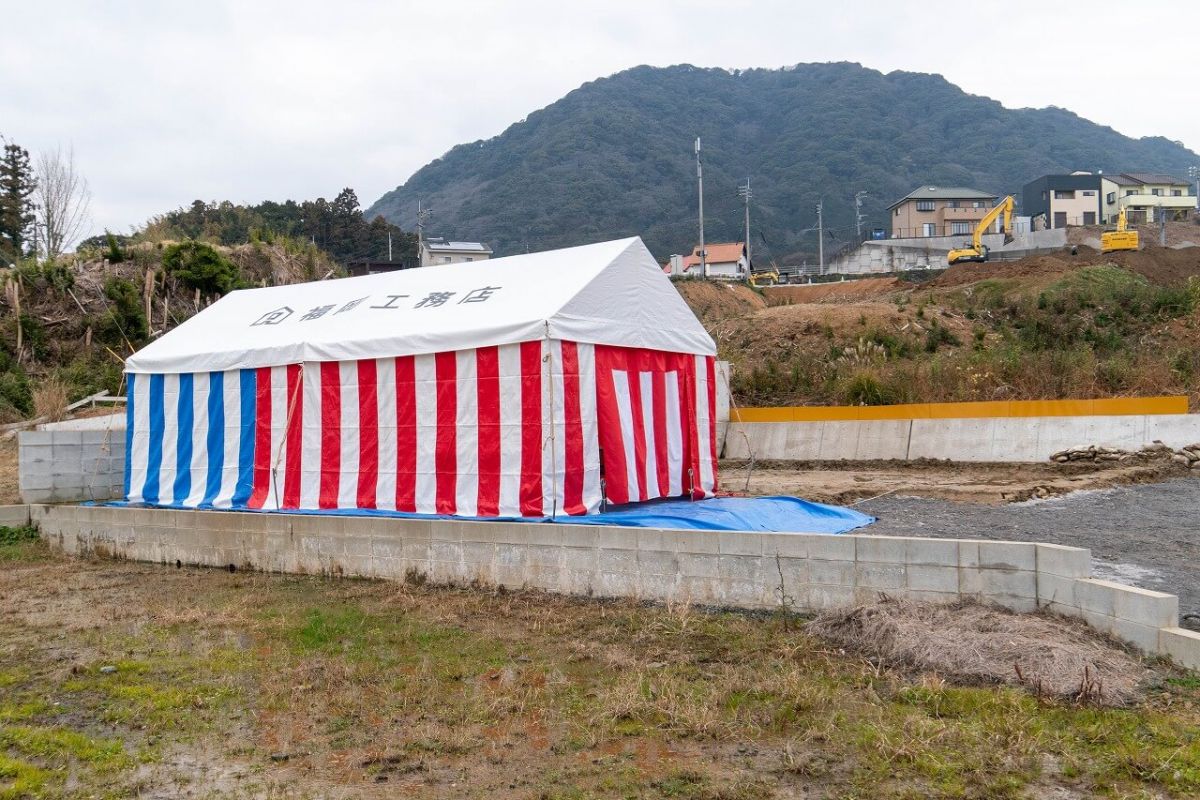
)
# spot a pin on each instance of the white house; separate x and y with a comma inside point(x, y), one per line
point(436, 251)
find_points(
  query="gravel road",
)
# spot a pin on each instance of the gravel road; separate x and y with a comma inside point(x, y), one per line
point(1146, 535)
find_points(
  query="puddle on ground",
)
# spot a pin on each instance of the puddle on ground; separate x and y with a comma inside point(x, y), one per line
point(1130, 574)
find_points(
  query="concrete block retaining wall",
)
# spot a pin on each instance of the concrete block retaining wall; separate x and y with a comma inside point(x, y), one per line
point(68, 466)
point(1011, 439)
point(743, 570)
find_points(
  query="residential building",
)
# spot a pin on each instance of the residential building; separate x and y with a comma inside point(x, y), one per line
point(1056, 201)
point(726, 260)
point(1141, 194)
point(939, 211)
point(436, 251)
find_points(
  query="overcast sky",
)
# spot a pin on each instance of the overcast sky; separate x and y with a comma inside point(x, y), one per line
point(168, 101)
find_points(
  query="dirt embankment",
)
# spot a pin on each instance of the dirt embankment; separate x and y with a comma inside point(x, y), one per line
point(713, 301)
point(838, 291)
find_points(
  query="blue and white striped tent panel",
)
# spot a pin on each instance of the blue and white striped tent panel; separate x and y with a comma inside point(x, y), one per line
point(189, 438)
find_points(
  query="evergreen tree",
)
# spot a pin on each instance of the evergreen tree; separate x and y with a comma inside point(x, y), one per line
point(16, 204)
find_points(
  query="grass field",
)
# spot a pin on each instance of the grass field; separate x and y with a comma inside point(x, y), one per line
point(120, 680)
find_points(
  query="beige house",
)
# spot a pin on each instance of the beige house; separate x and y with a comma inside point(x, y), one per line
point(939, 211)
point(436, 251)
point(1142, 194)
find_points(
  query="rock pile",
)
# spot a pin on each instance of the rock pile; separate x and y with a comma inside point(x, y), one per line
point(1186, 456)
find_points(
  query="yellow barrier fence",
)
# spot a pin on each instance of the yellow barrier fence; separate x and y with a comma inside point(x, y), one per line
point(1109, 406)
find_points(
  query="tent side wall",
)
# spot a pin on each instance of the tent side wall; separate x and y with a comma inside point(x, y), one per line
point(494, 431)
point(506, 431)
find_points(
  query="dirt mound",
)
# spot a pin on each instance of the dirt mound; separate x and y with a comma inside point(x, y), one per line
point(1033, 266)
point(975, 643)
point(712, 301)
point(839, 291)
point(1164, 266)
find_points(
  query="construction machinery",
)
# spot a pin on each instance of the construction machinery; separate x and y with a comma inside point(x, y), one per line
point(768, 277)
point(1120, 238)
point(978, 251)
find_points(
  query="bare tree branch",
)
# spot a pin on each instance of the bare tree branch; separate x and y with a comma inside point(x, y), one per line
point(63, 199)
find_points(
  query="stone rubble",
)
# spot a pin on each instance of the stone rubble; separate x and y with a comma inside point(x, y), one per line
point(1185, 456)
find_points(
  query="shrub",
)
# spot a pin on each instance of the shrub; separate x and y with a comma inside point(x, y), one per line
point(866, 389)
point(50, 400)
point(198, 266)
point(937, 335)
point(15, 393)
point(125, 319)
point(114, 254)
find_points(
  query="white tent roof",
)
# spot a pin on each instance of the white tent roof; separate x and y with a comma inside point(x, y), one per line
point(609, 293)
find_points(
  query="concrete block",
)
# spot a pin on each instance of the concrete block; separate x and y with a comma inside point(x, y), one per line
point(1097, 596)
point(1008, 555)
point(839, 440)
point(735, 543)
point(1143, 637)
point(699, 565)
point(1021, 605)
point(580, 559)
point(831, 573)
point(938, 579)
point(784, 545)
point(657, 563)
point(1009, 583)
point(888, 577)
point(1182, 645)
point(1144, 607)
point(652, 539)
point(743, 568)
point(832, 547)
point(970, 582)
point(708, 542)
point(699, 590)
point(941, 598)
point(615, 538)
point(820, 597)
point(968, 553)
point(617, 561)
point(932, 553)
point(880, 549)
point(882, 439)
point(1067, 562)
point(1056, 591)
point(445, 530)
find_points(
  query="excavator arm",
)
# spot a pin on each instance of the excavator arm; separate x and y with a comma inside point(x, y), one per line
point(977, 251)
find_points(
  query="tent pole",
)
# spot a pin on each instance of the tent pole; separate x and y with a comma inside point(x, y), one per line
point(549, 362)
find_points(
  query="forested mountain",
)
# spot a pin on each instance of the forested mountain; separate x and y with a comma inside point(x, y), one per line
point(614, 157)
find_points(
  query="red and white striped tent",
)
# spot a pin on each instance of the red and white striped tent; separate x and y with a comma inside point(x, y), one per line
point(523, 386)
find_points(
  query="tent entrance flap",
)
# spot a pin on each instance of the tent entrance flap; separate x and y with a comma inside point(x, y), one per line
point(657, 419)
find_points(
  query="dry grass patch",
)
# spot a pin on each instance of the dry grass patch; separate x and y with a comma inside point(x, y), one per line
point(972, 643)
point(248, 685)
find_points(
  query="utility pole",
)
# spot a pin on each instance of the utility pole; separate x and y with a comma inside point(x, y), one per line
point(1162, 227)
point(700, 190)
point(389, 244)
point(858, 215)
point(423, 215)
point(1194, 174)
point(745, 194)
point(820, 237)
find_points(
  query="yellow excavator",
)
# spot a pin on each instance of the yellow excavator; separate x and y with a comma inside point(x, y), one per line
point(978, 251)
point(1120, 239)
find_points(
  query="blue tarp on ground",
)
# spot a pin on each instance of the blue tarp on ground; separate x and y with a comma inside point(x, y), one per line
point(763, 514)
